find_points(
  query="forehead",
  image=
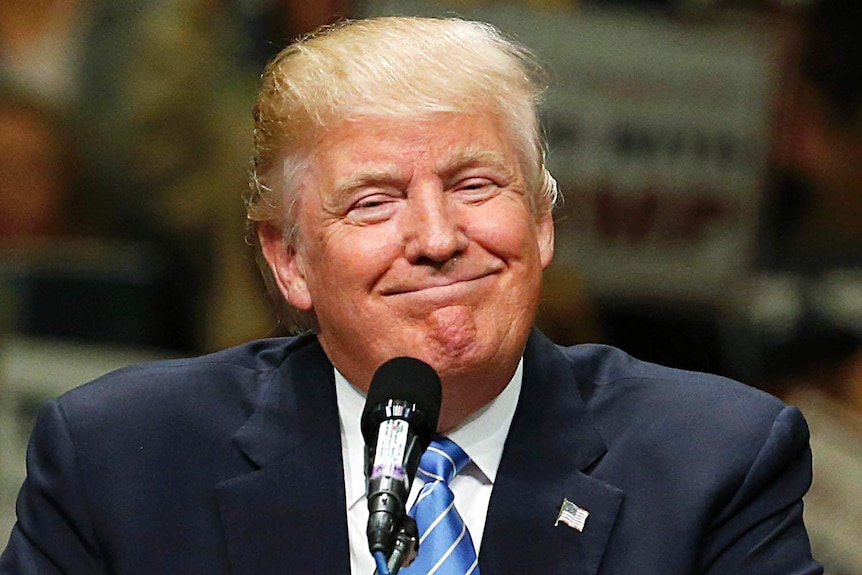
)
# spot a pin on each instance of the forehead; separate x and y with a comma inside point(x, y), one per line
point(440, 142)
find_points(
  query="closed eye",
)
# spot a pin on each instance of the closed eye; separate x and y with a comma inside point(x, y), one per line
point(476, 189)
point(372, 208)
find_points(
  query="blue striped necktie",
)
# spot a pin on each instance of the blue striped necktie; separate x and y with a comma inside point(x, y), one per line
point(445, 545)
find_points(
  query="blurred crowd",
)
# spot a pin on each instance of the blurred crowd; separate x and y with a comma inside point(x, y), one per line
point(124, 136)
point(814, 230)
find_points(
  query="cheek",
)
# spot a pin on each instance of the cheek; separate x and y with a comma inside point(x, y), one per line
point(509, 235)
point(352, 257)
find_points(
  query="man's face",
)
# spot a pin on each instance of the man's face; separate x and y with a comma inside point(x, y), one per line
point(416, 238)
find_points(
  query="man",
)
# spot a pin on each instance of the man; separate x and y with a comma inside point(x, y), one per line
point(402, 207)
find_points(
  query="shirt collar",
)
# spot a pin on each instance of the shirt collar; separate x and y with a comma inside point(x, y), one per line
point(481, 436)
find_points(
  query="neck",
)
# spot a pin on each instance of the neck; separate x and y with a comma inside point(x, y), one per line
point(464, 395)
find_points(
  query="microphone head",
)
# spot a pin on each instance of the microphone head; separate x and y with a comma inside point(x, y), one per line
point(409, 380)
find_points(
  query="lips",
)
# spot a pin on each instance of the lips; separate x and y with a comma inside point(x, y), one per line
point(442, 284)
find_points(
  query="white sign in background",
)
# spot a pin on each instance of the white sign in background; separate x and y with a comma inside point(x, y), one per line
point(658, 132)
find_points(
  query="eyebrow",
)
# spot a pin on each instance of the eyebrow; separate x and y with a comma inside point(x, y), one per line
point(477, 157)
point(344, 187)
point(362, 178)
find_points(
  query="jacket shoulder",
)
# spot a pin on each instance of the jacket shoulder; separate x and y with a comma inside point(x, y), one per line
point(175, 390)
point(642, 405)
point(254, 357)
point(605, 373)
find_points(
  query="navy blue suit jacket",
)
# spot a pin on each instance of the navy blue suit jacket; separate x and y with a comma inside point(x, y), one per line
point(231, 463)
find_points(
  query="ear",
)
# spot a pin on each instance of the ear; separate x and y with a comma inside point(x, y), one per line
point(286, 264)
point(545, 236)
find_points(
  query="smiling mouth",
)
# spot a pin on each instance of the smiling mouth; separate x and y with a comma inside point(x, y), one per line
point(441, 287)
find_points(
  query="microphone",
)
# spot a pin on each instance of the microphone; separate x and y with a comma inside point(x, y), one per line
point(398, 421)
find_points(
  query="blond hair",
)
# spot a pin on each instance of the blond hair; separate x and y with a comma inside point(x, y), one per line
point(395, 67)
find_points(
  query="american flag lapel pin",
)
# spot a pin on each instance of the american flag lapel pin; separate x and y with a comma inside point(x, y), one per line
point(572, 515)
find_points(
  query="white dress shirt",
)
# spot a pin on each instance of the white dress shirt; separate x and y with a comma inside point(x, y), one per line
point(481, 436)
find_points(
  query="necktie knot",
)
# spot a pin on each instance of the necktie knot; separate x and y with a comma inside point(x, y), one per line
point(442, 460)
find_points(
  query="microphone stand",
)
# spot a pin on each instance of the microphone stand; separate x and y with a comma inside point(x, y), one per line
point(405, 548)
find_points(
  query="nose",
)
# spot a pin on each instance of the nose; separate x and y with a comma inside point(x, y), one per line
point(434, 230)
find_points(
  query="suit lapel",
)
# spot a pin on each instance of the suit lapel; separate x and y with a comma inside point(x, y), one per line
point(288, 515)
point(548, 453)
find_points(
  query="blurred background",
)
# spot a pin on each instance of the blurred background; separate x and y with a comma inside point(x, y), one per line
point(710, 154)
